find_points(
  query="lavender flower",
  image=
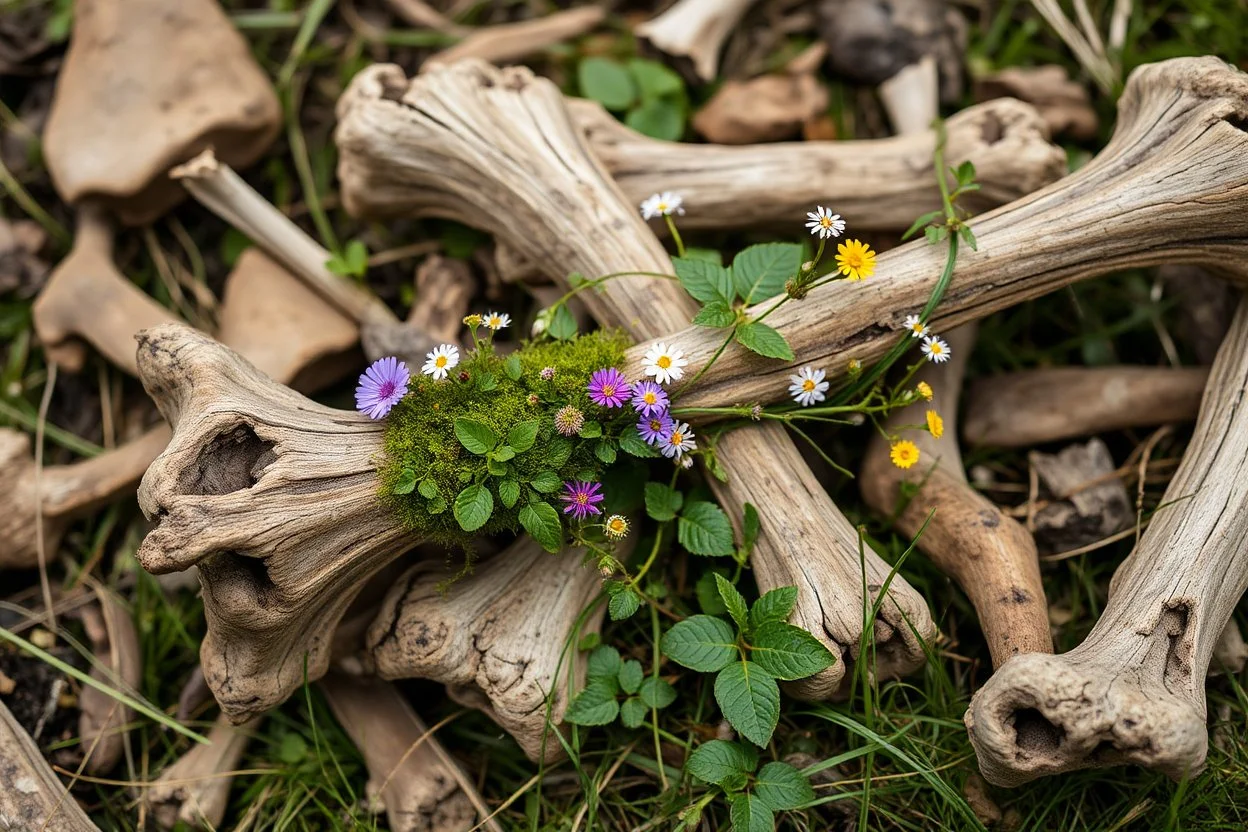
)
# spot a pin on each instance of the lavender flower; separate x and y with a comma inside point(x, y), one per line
point(649, 399)
point(608, 388)
point(655, 429)
point(382, 386)
point(582, 498)
point(569, 420)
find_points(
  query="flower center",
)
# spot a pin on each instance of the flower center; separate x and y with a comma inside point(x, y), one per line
point(853, 260)
point(664, 362)
point(617, 525)
point(608, 390)
point(387, 389)
point(808, 385)
point(662, 206)
point(677, 438)
point(826, 222)
point(937, 349)
point(582, 498)
point(440, 361)
point(649, 398)
point(656, 425)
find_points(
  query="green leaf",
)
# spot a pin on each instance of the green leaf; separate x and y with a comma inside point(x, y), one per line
point(623, 604)
point(776, 605)
point(496, 468)
point(606, 82)
point(509, 492)
point(633, 712)
point(656, 693)
point(606, 452)
point(632, 443)
point(562, 324)
point(654, 79)
point(504, 453)
point(700, 642)
point(760, 272)
point(717, 760)
point(558, 451)
point(662, 501)
point(604, 663)
point(749, 698)
point(546, 482)
point(749, 813)
point(512, 368)
point(968, 237)
point(477, 437)
point(436, 506)
point(356, 257)
point(542, 522)
point(923, 220)
point(473, 507)
point(589, 641)
point(487, 382)
point(715, 315)
point(965, 173)
point(407, 482)
point(428, 489)
point(660, 118)
point(630, 676)
point(734, 602)
point(764, 340)
point(935, 233)
point(522, 435)
point(707, 591)
point(594, 705)
point(590, 430)
point(781, 786)
point(704, 529)
point(704, 281)
point(710, 255)
point(292, 748)
point(788, 652)
point(750, 527)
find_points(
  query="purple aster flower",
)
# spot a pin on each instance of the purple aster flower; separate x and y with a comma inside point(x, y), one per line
point(382, 386)
point(609, 388)
point(582, 498)
point(649, 399)
point(655, 428)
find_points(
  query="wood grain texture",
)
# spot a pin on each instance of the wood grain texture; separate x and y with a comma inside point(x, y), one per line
point(195, 790)
point(1134, 690)
point(31, 795)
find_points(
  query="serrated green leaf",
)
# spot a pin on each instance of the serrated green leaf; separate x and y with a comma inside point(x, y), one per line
point(562, 323)
point(633, 712)
point(662, 501)
point(630, 676)
point(546, 482)
point(783, 787)
point(715, 315)
point(704, 281)
point(606, 82)
point(749, 698)
point(707, 591)
point(632, 443)
point(734, 602)
point(656, 693)
point(473, 507)
point(605, 451)
point(496, 468)
point(604, 663)
point(748, 813)
point(436, 506)
point(513, 369)
point(762, 339)
point(704, 529)
point(558, 451)
point(700, 642)
point(622, 605)
point(509, 492)
point(594, 705)
point(541, 521)
point(654, 79)
point(522, 435)
point(504, 452)
point(476, 436)
point(776, 605)
point(428, 489)
point(406, 482)
point(760, 271)
point(658, 118)
point(487, 382)
point(717, 760)
point(590, 430)
point(788, 652)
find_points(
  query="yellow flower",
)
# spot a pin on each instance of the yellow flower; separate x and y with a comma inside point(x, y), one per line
point(935, 424)
point(925, 390)
point(854, 367)
point(473, 321)
point(904, 453)
point(855, 259)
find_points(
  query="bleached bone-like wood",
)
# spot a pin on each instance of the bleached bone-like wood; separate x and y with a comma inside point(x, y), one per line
point(472, 141)
point(273, 496)
point(146, 85)
point(1064, 104)
point(504, 43)
point(33, 797)
point(1171, 186)
point(1134, 690)
point(409, 771)
point(195, 790)
point(115, 644)
point(990, 555)
point(905, 95)
point(497, 638)
point(1030, 407)
point(692, 33)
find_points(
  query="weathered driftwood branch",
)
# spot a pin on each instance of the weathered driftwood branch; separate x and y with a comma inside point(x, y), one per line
point(1030, 407)
point(115, 645)
point(1134, 690)
point(195, 790)
point(232, 493)
point(409, 772)
point(692, 33)
point(505, 43)
point(468, 140)
point(1171, 185)
point(497, 638)
point(1063, 104)
point(32, 797)
point(173, 80)
point(989, 554)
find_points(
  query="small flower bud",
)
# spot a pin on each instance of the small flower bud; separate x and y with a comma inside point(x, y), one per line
point(686, 462)
point(795, 288)
point(533, 400)
point(854, 367)
point(473, 321)
point(547, 373)
point(463, 375)
point(756, 412)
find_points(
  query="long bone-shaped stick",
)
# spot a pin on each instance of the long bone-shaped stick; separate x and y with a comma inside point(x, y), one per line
point(492, 146)
point(1171, 186)
point(1134, 690)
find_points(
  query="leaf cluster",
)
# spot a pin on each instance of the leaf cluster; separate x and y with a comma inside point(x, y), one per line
point(754, 796)
point(939, 224)
point(617, 687)
point(651, 96)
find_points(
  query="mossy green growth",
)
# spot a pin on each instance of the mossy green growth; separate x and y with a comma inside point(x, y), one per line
point(478, 453)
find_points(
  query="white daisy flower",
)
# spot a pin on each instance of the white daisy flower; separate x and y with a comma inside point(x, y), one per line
point(497, 320)
point(679, 442)
point(665, 363)
point(823, 223)
point(917, 328)
point(439, 362)
point(808, 386)
point(661, 205)
point(936, 350)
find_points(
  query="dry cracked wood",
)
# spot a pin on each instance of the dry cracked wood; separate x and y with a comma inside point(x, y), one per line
point(990, 555)
point(692, 33)
point(1031, 407)
point(274, 498)
point(481, 144)
point(1134, 690)
point(497, 638)
point(195, 790)
point(1171, 186)
point(31, 796)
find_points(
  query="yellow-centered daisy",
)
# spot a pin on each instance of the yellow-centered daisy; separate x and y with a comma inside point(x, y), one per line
point(855, 260)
